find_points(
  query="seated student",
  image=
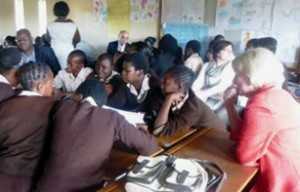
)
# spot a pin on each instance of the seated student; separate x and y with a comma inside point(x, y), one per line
point(181, 108)
point(69, 79)
point(143, 85)
point(209, 53)
point(118, 93)
point(119, 46)
point(267, 136)
point(169, 55)
point(83, 137)
point(216, 76)
point(192, 56)
point(33, 53)
point(10, 58)
point(24, 120)
point(9, 41)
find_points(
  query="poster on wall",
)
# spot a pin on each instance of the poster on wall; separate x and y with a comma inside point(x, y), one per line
point(119, 16)
point(257, 14)
point(144, 10)
point(228, 14)
point(100, 10)
point(185, 32)
point(187, 11)
point(286, 28)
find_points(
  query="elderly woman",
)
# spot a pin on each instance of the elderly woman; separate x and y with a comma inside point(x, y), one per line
point(267, 136)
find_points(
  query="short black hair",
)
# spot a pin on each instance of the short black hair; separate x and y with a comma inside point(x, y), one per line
point(150, 41)
point(168, 44)
point(9, 58)
point(31, 73)
point(105, 56)
point(95, 89)
point(182, 75)
point(61, 9)
point(194, 45)
point(138, 61)
point(269, 43)
point(219, 37)
point(78, 53)
point(11, 40)
point(219, 46)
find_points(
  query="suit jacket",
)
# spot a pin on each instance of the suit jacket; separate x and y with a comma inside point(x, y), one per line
point(23, 125)
point(121, 98)
point(47, 56)
point(112, 48)
point(83, 136)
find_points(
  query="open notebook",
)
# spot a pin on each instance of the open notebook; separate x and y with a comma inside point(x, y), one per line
point(132, 117)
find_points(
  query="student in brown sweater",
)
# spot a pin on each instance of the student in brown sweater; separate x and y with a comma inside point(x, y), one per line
point(83, 136)
point(181, 108)
point(23, 125)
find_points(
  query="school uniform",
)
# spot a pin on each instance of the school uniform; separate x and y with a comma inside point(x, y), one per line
point(68, 82)
point(83, 137)
point(3, 80)
point(120, 98)
point(24, 120)
point(194, 62)
point(191, 113)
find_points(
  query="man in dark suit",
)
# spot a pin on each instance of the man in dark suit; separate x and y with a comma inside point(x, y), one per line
point(119, 46)
point(32, 53)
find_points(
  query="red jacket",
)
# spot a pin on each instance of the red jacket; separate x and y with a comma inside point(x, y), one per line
point(269, 137)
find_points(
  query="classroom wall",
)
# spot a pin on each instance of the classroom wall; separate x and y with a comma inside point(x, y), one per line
point(7, 18)
point(94, 31)
point(31, 16)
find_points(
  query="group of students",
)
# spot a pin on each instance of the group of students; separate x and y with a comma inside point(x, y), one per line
point(56, 131)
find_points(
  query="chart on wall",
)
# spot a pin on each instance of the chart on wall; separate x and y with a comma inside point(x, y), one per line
point(187, 11)
point(140, 10)
point(144, 10)
point(244, 14)
point(286, 28)
point(184, 20)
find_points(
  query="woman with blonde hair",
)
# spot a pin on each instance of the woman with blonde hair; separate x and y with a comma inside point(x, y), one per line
point(267, 134)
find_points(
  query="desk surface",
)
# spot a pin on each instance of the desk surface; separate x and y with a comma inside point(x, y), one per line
point(213, 146)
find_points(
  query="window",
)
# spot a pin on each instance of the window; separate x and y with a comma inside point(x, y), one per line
point(42, 10)
point(19, 14)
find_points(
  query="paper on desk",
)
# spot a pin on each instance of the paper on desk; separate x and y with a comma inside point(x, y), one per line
point(131, 117)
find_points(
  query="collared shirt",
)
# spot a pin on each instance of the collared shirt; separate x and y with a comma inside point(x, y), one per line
point(110, 77)
point(181, 103)
point(121, 47)
point(194, 62)
point(68, 82)
point(26, 58)
point(144, 89)
point(3, 80)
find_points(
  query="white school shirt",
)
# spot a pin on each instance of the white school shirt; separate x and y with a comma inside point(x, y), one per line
point(144, 89)
point(4, 80)
point(194, 62)
point(68, 82)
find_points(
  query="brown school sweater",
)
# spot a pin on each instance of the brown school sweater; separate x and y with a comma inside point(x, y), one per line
point(193, 114)
point(23, 124)
point(83, 136)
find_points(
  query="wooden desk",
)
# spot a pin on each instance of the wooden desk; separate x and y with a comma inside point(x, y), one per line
point(120, 160)
point(214, 146)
